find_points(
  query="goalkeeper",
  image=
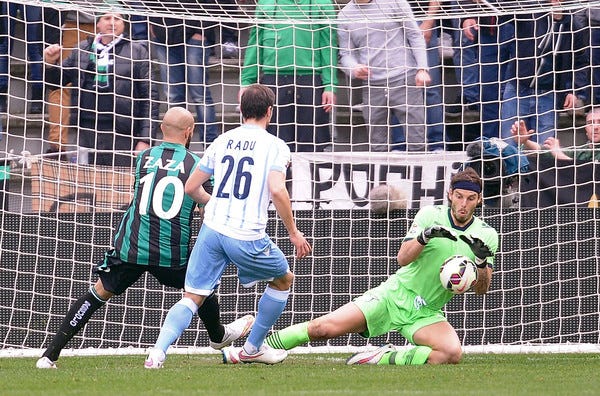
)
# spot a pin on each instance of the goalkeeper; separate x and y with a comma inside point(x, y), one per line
point(154, 236)
point(411, 300)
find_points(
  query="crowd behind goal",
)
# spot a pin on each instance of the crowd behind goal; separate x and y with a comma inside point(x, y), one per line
point(485, 71)
point(434, 107)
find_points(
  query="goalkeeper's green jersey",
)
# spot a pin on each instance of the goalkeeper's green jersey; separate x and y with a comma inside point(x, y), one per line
point(422, 276)
point(155, 229)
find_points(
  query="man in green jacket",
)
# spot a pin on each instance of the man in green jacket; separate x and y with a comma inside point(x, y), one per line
point(297, 61)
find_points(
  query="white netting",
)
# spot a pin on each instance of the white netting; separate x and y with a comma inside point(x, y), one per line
point(57, 217)
point(242, 11)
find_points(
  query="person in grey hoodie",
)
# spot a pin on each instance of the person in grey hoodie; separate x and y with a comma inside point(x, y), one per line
point(382, 45)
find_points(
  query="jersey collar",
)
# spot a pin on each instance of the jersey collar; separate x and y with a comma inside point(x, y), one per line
point(459, 227)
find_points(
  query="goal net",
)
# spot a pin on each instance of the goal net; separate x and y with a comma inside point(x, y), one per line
point(57, 213)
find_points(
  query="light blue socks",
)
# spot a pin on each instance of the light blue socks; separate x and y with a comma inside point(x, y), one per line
point(178, 319)
point(270, 306)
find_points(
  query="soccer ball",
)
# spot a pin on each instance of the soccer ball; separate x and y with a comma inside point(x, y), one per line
point(458, 274)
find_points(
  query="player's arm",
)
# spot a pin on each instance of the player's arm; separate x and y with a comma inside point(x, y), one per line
point(413, 246)
point(409, 251)
point(194, 186)
point(281, 200)
point(482, 253)
point(484, 280)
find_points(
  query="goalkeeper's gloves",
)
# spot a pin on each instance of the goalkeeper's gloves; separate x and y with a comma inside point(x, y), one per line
point(479, 248)
point(436, 231)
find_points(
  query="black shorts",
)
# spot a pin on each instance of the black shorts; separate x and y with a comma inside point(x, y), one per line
point(117, 275)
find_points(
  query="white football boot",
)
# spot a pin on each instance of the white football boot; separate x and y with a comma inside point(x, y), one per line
point(266, 355)
point(235, 330)
point(155, 359)
point(45, 363)
point(370, 357)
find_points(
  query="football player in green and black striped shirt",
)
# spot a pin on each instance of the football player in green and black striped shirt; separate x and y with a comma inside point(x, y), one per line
point(153, 236)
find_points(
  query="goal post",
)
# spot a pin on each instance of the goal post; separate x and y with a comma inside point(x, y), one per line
point(57, 217)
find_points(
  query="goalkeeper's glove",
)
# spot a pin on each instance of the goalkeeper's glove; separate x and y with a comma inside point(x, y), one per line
point(436, 231)
point(479, 248)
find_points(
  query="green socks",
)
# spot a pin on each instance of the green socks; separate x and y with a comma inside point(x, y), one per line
point(289, 337)
point(297, 334)
point(415, 356)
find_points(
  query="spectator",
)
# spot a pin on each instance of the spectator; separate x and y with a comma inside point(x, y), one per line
point(486, 39)
point(111, 97)
point(180, 48)
point(227, 31)
point(588, 19)
point(392, 59)
point(297, 61)
point(546, 64)
point(433, 92)
point(32, 18)
point(464, 58)
point(77, 26)
point(590, 151)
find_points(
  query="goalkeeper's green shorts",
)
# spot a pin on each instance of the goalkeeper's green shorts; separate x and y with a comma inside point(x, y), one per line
point(390, 306)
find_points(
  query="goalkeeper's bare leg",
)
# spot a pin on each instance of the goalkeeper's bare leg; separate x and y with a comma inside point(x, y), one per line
point(436, 343)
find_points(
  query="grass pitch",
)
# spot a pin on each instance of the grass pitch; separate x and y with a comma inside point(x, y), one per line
point(525, 374)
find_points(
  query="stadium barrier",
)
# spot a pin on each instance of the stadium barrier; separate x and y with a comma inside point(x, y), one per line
point(67, 187)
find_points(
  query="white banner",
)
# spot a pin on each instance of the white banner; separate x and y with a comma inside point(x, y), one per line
point(343, 180)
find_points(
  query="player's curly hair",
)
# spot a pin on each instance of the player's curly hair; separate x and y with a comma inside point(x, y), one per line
point(468, 175)
point(466, 178)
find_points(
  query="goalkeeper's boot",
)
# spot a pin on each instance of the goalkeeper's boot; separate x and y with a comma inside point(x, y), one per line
point(234, 330)
point(370, 357)
point(155, 359)
point(45, 363)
